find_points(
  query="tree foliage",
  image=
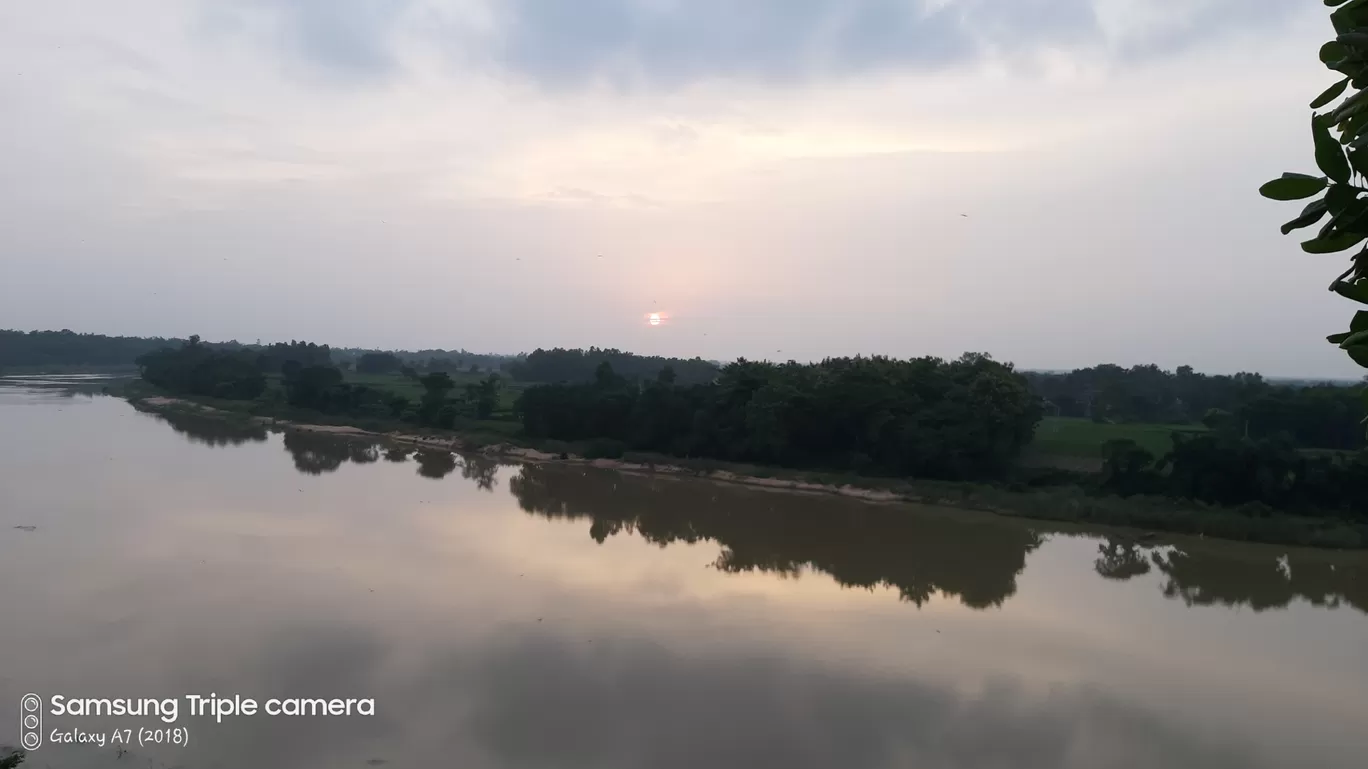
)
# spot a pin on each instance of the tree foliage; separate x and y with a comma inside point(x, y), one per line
point(272, 359)
point(579, 366)
point(1223, 467)
point(67, 348)
point(1316, 416)
point(1339, 133)
point(197, 369)
point(925, 417)
point(378, 363)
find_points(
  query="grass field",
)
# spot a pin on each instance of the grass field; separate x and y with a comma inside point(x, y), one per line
point(1072, 437)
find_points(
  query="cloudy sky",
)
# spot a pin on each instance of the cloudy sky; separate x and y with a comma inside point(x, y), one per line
point(1057, 182)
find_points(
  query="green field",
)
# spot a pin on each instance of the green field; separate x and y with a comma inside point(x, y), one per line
point(1073, 437)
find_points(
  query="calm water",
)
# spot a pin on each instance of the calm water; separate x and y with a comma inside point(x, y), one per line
point(548, 617)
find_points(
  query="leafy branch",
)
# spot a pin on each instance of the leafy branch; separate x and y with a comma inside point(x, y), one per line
point(1340, 134)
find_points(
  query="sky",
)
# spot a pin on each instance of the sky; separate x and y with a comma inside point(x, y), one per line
point(1058, 183)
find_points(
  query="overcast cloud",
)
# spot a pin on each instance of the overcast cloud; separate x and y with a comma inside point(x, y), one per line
point(1057, 182)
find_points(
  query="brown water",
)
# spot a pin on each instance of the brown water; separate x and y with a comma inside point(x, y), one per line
point(507, 616)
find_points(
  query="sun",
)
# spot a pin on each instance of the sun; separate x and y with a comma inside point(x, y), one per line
point(654, 319)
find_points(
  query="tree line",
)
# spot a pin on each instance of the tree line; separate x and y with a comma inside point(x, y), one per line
point(428, 360)
point(1315, 416)
point(1226, 467)
point(67, 348)
point(581, 366)
point(925, 417)
point(309, 381)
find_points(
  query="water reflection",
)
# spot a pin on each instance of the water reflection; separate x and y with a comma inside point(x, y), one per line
point(436, 464)
point(210, 431)
point(316, 453)
point(975, 559)
point(480, 469)
point(542, 701)
point(1121, 560)
point(859, 545)
point(492, 637)
point(1223, 575)
point(1207, 578)
point(319, 453)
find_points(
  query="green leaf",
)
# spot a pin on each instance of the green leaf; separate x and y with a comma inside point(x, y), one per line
point(1333, 51)
point(1330, 94)
point(1357, 291)
point(1358, 160)
point(1356, 339)
point(1309, 216)
point(1354, 219)
point(1337, 338)
point(1329, 156)
point(1333, 244)
point(1359, 354)
point(1347, 109)
point(1360, 321)
point(1293, 187)
point(1339, 197)
point(1347, 17)
point(1355, 39)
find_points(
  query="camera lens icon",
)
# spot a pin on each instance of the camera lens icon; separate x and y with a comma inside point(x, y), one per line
point(31, 721)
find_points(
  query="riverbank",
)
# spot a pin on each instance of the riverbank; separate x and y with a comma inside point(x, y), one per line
point(1070, 504)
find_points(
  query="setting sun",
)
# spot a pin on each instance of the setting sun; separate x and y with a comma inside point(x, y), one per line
point(657, 318)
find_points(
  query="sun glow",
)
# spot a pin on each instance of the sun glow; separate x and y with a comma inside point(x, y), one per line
point(656, 318)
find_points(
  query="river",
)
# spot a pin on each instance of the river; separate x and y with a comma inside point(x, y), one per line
point(558, 616)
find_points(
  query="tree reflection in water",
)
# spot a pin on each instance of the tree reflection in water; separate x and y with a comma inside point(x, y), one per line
point(973, 558)
point(318, 453)
point(211, 431)
point(481, 469)
point(1228, 574)
point(969, 557)
point(435, 464)
point(1121, 560)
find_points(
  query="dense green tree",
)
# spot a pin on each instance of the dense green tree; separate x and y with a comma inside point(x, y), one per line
point(483, 396)
point(436, 387)
point(378, 363)
point(957, 419)
point(579, 366)
point(1317, 415)
point(198, 369)
point(312, 387)
point(67, 348)
point(273, 358)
